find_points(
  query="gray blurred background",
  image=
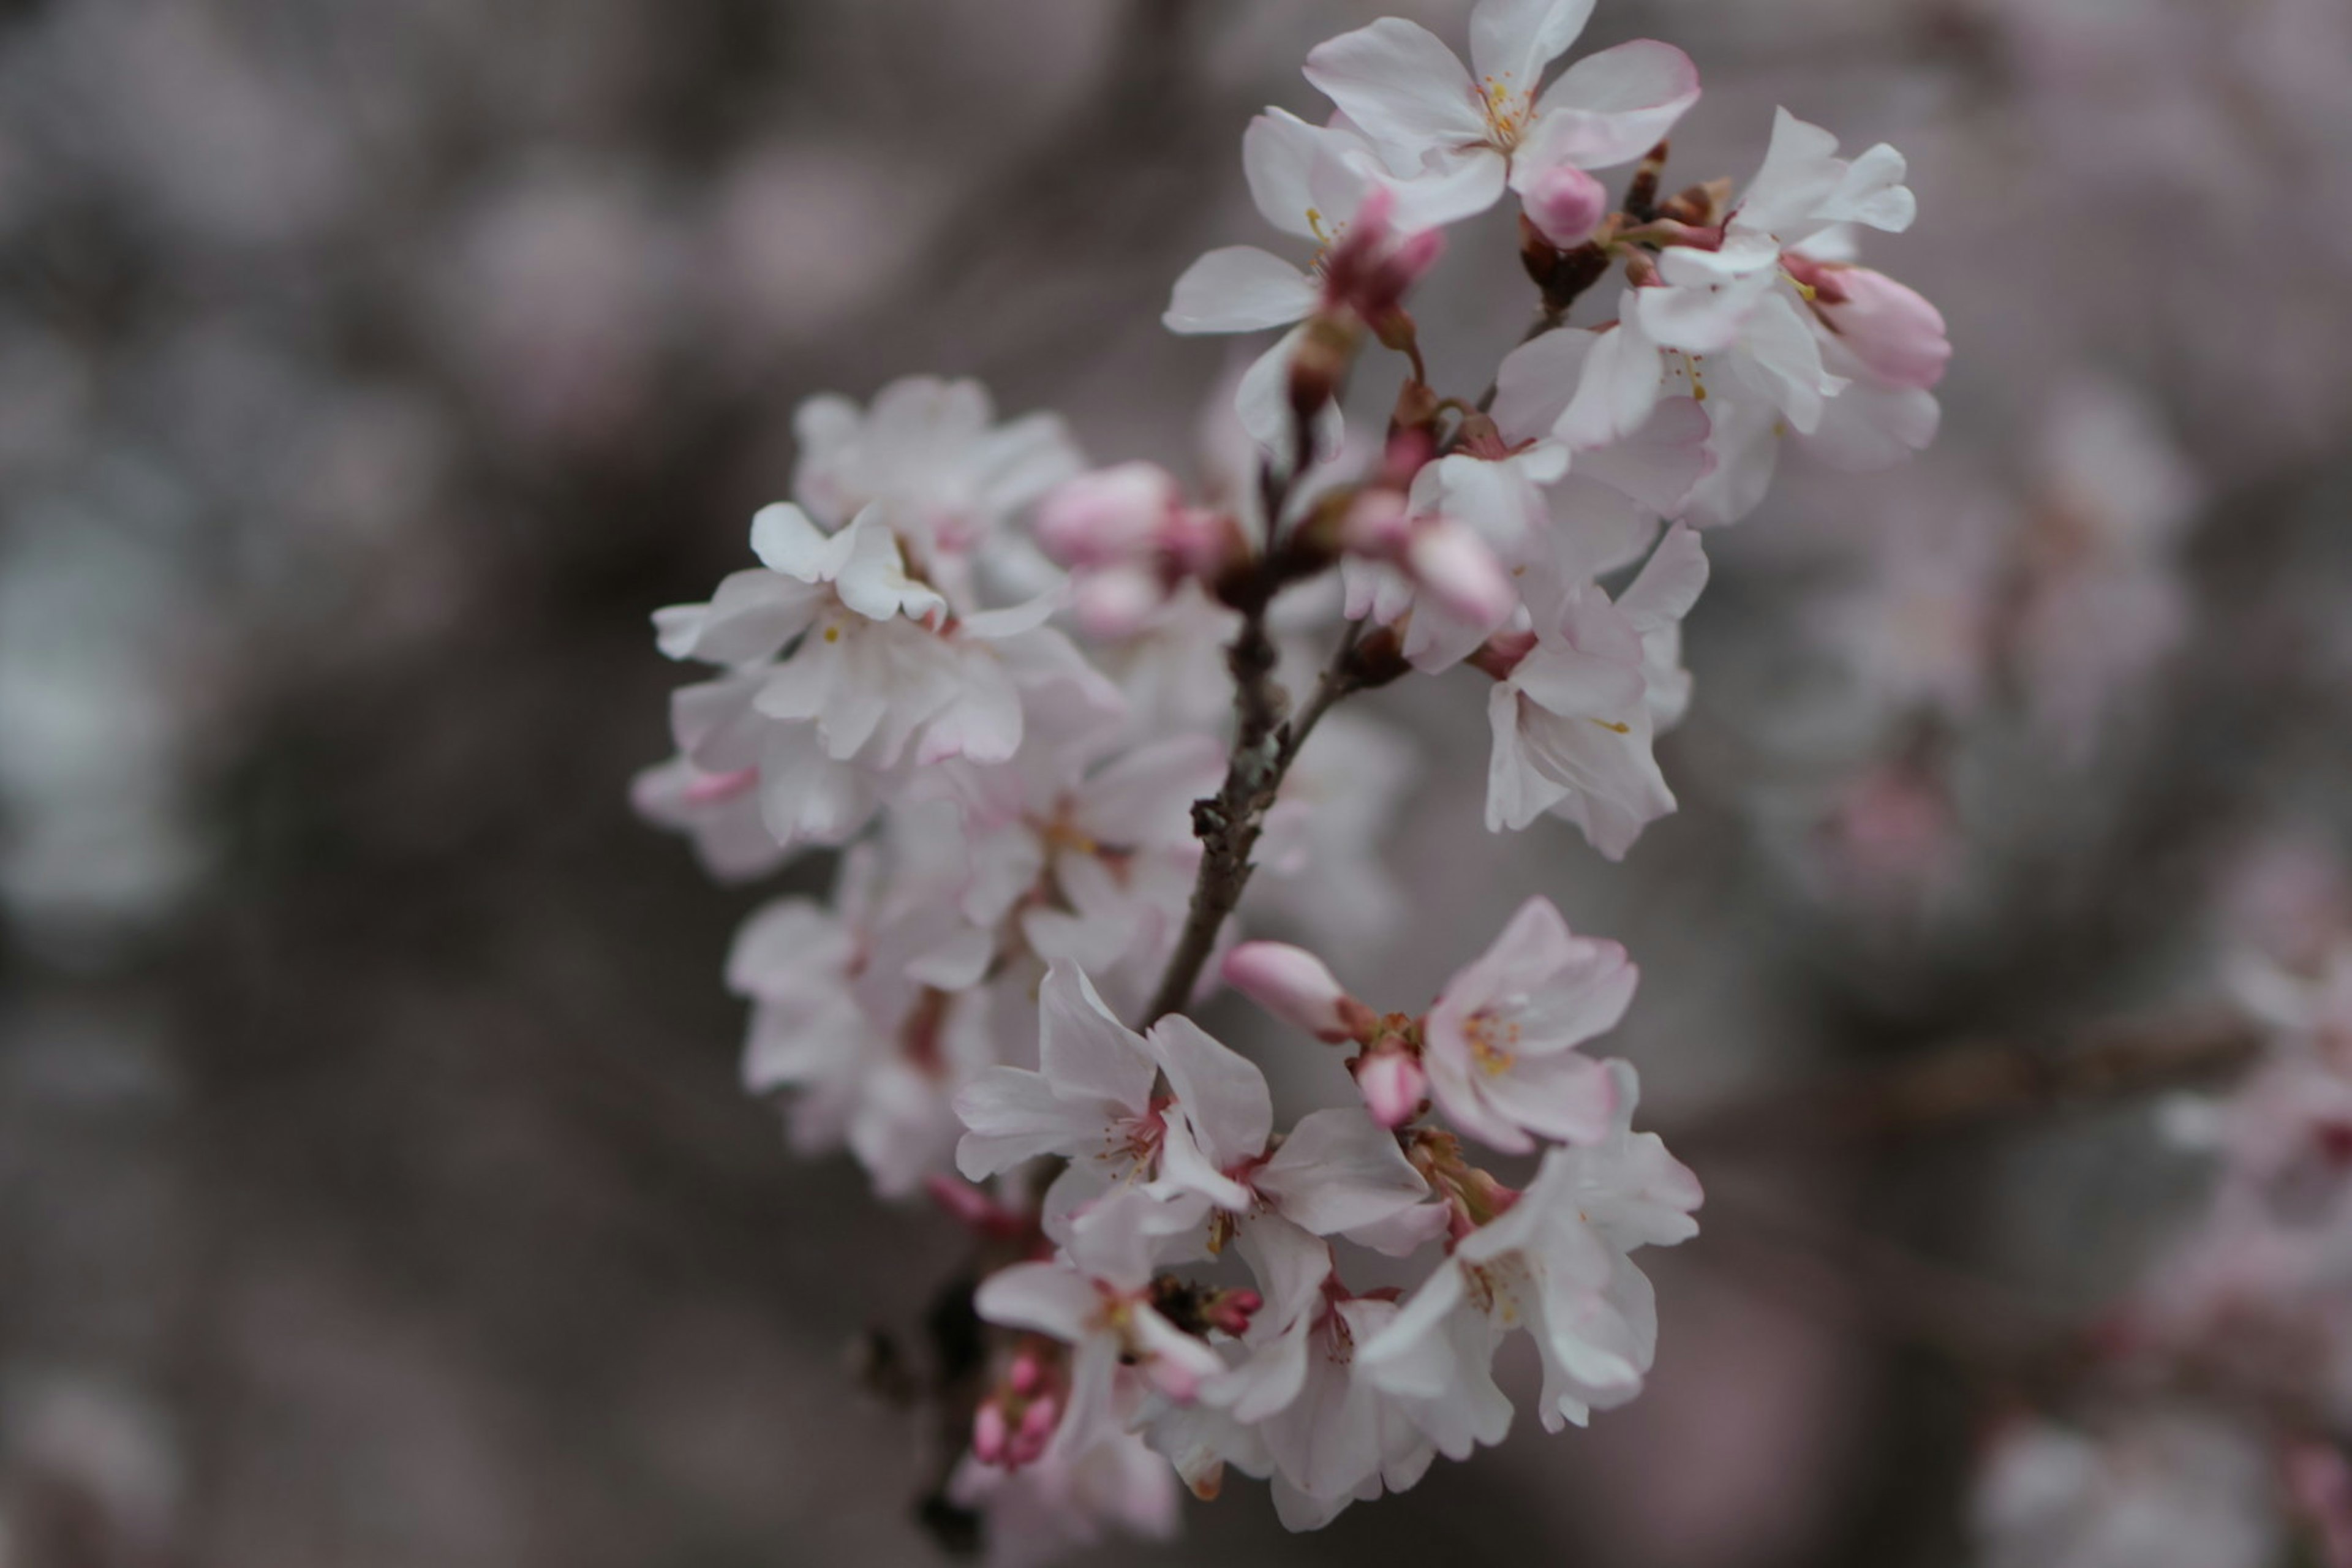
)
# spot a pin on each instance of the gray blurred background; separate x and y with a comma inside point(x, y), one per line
point(374, 1186)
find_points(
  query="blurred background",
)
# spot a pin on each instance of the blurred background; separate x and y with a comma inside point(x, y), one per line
point(374, 1186)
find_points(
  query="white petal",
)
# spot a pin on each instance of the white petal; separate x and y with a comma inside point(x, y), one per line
point(1085, 1052)
point(1240, 289)
point(1014, 1115)
point(1611, 107)
point(1045, 1298)
point(1340, 1169)
point(1401, 86)
point(785, 541)
point(1278, 153)
point(1516, 39)
point(1221, 1091)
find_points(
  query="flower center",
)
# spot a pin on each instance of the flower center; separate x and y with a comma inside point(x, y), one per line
point(1510, 113)
point(1491, 1042)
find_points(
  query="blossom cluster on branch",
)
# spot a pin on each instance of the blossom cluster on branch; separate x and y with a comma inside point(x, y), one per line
point(1055, 719)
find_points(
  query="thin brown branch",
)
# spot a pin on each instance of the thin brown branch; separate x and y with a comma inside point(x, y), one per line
point(1981, 1082)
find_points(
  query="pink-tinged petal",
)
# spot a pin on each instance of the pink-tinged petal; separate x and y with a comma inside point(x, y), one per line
point(1340, 1169)
point(1262, 402)
point(1406, 1232)
point(1044, 1298)
point(1511, 41)
point(1455, 1083)
point(1293, 984)
point(1401, 86)
point(1269, 1381)
point(1240, 289)
point(1568, 1097)
point(1449, 562)
point(1613, 107)
point(1221, 1092)
point(1084, 1051)
point(984, 724)
point(1712, 296)
point(1530, 950)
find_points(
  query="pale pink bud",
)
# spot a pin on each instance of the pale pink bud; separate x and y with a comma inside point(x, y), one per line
point(1565, 204)
point(1455, 566)
point(1114, 602)
point(1296, 986)
point(1037, 1424)
point(1393, 1086)
point(1025, 1376)
point(1231, 1311)
point(988, 1435)
point(1890, 328)
point(1109, 515)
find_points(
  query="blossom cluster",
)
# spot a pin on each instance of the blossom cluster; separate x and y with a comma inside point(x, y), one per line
point(1046, 714)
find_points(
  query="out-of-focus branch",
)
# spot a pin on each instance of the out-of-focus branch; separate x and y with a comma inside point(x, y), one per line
point(1980, 1082)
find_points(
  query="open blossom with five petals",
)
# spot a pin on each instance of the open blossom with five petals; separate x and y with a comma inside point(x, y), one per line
point(1487, 127)
point(1557, 1261)
point(1501, 1040)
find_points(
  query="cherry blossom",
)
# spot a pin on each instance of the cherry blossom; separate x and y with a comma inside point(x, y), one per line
point(1502, 1036)
point(1486, 127)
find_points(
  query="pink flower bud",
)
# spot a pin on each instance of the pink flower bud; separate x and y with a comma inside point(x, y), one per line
point(1025, 1377)
point(1037, 1424)
point(1114, 602)
point(1890, 328)
point(1565, 204)
point(1453, 565)
point(1293, 986)
point(1110, 515)
point(1392, 1085)
point(988, 1435)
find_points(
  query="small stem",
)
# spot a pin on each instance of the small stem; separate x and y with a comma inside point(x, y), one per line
point(1229, 823)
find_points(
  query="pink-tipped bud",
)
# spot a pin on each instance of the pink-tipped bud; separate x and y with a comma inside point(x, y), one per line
point(1393, 1086)
point(1453, 565)
point(989, 1437)
point(1891, 328)
point(1025, 1376)
point(1296, 986)
point(1565, 204)
point(1110, 515)
point(1231, 1311)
